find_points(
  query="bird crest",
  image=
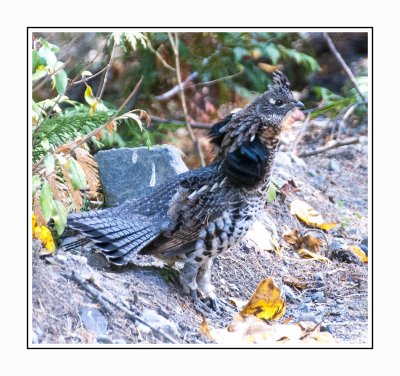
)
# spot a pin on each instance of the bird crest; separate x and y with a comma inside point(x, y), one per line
point(281, 82)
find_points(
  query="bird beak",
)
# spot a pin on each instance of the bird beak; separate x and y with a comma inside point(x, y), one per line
point(299, 104)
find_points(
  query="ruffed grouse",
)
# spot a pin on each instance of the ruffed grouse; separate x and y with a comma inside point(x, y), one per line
point(198, 214)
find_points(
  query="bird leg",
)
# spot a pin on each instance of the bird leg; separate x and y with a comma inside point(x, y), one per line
point(207, 290)
point(188, 279)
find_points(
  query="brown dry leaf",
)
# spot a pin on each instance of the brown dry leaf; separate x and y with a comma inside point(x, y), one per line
point(305, 253)
point(308, 242)
point(89, 167)
point(74, 193)
point(309, 215)
point(292, 237)
point(205, 329)
point(311, 243)
point(291, 281)
point(358, 252)
point(266, 302)
point(111, 127)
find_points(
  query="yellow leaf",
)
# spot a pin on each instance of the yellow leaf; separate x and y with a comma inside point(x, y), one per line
point(267, 302)
point(327, 226)
point(43, 234)
point(276, 245)
point(205, 329)
point(358, 252)
point(305, 253)
point(309, 215)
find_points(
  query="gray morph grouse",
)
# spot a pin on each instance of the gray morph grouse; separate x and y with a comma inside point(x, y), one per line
point(198, 214)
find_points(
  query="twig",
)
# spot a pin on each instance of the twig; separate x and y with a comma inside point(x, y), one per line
point(344, 119)
point(194, 124)
point(303, 126)
point(104, 80)
point(329, 147)
point(175, 45)
point(151, 48)
point(103, 300)
point(175, 90)
point(343, 64)
point(41, 83)
point(89, 78)
point(208, 83)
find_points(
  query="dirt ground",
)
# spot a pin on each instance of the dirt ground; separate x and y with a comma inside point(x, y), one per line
point(333, 295)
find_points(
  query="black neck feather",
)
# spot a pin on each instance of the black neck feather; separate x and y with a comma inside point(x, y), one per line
point(247, 165)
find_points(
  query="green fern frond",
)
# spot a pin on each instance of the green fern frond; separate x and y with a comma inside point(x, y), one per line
point(66, 127)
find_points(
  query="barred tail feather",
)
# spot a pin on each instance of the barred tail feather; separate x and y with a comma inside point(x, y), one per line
point(118, 239)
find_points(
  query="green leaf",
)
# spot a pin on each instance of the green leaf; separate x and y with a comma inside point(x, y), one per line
point(35, 60)
point(59, 215)
point(45, 144)
point(35, 183)
point(61, 81)
point(51, 46)
point(46, 201)
point(271, 193)
point(49, 163)
point(40, 72)
point(48, 55)
point(76, 173)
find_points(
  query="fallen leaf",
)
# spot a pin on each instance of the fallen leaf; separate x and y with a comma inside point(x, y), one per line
point(358, 252)
point(260, 236)
point(308, 241)
point(205, 329)
point(311, 243)
point(266, 302)
point(292, 237)
point(309, 215)
point(305, 253)
point(291, 281)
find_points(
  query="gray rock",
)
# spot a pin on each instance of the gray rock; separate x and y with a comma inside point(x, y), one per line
point(289, 294)
point(364, 245)
point(318, 297)
point(104, 339)
point(128, 173)
point(334, 165)
point(93, 320)
point(282, 160)
point(304, 308)
point(298, 161)
point(319, 277)
point(158, 322)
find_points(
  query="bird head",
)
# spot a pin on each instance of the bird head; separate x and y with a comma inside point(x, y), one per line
point(263, 117)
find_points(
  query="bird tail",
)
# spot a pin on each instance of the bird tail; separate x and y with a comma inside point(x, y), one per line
point(119, 239)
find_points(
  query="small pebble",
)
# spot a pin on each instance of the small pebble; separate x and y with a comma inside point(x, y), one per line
point(103, 339)
point(290, 295)
point(304, 308)
point(318, 297)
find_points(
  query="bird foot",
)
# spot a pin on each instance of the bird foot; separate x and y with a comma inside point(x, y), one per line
point(210, 305)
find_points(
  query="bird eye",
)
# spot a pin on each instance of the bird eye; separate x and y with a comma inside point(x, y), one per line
point(278, 103)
